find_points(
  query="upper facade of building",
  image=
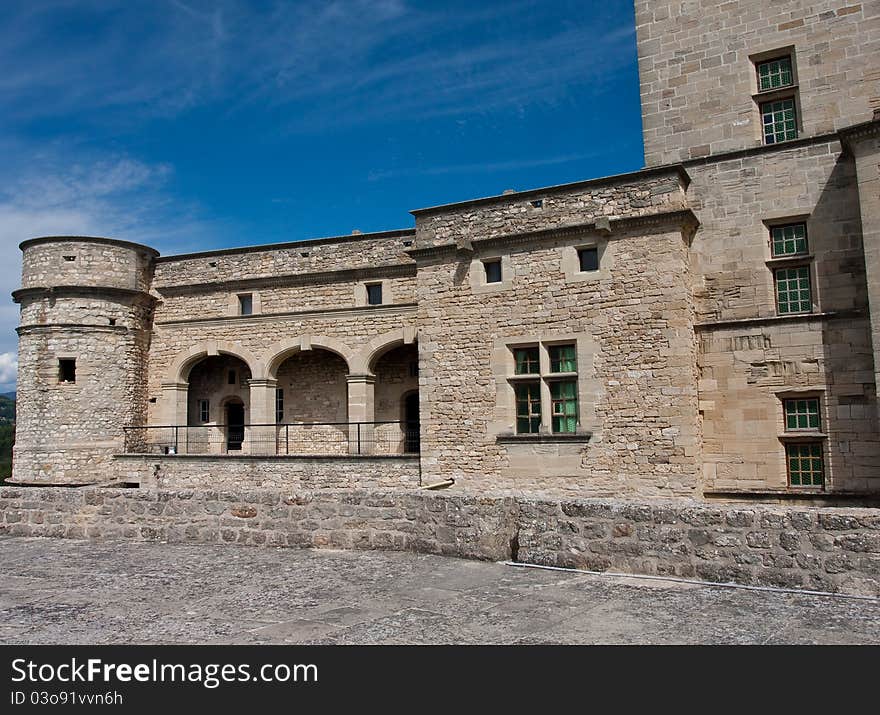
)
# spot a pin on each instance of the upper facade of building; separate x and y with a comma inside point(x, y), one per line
point(717, 77)
point(706, 327)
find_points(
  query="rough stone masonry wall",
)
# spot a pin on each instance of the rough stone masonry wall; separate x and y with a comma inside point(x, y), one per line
point(830, 549)
point(635, 321)
point(560, 206)
point(697, 74)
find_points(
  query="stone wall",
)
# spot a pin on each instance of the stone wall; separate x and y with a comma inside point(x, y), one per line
point(698, 75)
point(554, 207)
point(267, 472)
point(829, 549)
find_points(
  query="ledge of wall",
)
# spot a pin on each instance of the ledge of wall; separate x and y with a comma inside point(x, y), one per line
point(828, 549)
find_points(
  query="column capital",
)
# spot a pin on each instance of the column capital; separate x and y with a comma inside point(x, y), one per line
point(263, 382)
point(366, 379)
point(175, 385)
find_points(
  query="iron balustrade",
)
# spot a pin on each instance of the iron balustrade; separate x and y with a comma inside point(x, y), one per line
point(294, 438)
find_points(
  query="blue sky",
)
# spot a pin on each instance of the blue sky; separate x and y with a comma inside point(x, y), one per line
point(190, 125)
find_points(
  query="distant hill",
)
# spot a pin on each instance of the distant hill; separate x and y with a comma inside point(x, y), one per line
point(10, 395)
point(7, 410)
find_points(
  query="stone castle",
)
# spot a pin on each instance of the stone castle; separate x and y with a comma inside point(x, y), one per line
point(706, 327)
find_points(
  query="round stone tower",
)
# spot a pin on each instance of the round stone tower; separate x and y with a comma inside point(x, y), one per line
point(86, 317)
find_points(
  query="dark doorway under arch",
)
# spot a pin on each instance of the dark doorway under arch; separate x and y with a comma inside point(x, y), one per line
point(411, 440)
point(234, 426)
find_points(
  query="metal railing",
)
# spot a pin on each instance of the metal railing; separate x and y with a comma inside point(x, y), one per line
point(301, 438)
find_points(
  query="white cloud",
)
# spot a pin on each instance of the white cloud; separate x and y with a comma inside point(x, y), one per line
point(8, 371)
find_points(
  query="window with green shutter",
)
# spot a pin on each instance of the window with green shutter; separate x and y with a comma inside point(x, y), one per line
point(779, 120)
point(563, 358)
point(802, 415)
point(805, 464)
point(528, 407)
point(793, 292)
point(775, 74)
point(790, 240)
point(563, 400)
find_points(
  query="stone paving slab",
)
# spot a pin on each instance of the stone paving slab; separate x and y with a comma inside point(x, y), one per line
point(57, 591)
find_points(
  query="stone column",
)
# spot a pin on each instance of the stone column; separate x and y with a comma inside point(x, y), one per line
point(173, 417)
point(864, 143)
point(361, 413)
point(260, 430)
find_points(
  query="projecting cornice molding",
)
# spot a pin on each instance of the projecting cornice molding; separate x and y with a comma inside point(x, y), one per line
point(101, 292)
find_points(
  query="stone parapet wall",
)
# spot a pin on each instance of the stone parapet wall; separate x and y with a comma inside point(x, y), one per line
point(262, 472)
point(830, 549)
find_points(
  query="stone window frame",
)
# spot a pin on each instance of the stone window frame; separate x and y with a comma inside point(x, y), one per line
point(570, 260)
point(792, 438)
point(477, 273)
point(234, 307)
point(361, 295)
point(795, 260)
point(764, 97)
point(504, 425)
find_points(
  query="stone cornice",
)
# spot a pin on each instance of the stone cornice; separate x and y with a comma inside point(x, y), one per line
point(770, 319)
point(70, 327)
point(865, 130)
point(80, 292)
point(357, 312)
point(633, 177)
point(391, 270)
point(684, 217)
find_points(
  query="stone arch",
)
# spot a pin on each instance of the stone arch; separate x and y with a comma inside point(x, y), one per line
point(365, 360)
point(180, 368)
point(283, 349)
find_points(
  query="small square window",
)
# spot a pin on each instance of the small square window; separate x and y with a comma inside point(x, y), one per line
point(537, 203)
point(204, 411)
point(493, 271)
point(563, 358)
point(793, 291)
point(528, 407)
point(246, 304)
point(790, 240)
point(779, 120)
point(374, 294)
point(563, 400)
point(802, 415)
point(526, 361)
point(232, 377)
point(774, 74)
point(279, 405)
point(67, 370)
point(69, 258)
point(805, 463)
point(588, 259)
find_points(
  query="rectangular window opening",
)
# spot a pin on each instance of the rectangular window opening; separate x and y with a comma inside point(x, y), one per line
point(793, 290)
point(789, 240)
point(526, 361)
point(528, 407)
point(232, 377)
point(563, 358)
point(775, 74)
point(67, 370)
point(805, 464)
point(374, 294)
point(204, 411)
point(563, 400)
point(493, 271)
point(779, 121)
point(588, 259)
point(279, 405)
point(802, 414)
point(246, 304)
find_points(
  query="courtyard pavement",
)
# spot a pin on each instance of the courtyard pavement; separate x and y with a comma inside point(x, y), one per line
point(64, 592)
